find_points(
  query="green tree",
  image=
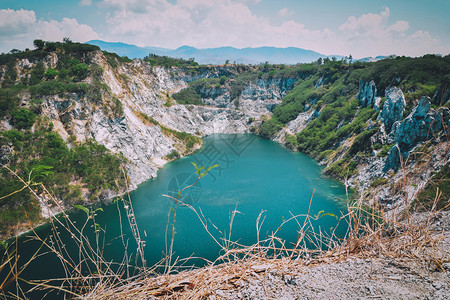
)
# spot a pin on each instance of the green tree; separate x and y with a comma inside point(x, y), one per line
point(39, 44)
point(80, 70)
point(51, 73)
point(23, 118)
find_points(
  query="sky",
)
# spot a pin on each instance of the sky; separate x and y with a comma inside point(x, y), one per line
point(357, 27)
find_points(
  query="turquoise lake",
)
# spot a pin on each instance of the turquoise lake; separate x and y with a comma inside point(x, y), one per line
point(254, 175)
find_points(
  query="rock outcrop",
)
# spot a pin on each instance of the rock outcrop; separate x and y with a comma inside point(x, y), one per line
point(367, 93)
point(393, 107)
point(420, 125)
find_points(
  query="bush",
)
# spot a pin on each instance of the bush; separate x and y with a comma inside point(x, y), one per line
point(270, 128)
point(80, 71)
point(23, 118)
point(362, 142)
point(173, 155)
point(385, 150)
point(50, 73)
point(379, 181)
point(188, 96)
point(342, 168)
point(291, 141)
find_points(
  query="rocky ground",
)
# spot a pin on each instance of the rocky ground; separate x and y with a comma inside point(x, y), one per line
point(382, 278)
point(426, 276)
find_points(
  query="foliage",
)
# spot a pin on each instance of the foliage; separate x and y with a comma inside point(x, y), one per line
point(173, 155)
point(385, 150)
point(291, 141)
point(342, 168)
point(407, 73)
point(8, 101)
point(114, 59)
point(43, 48)
point(55, 87)
point(270, 128)
point(188, 96)
point(80, 71)
point(50, 73)
point(196, 90)
point(23, 118)
point(379, 181)
point(436, 193)
point(168, 62)
point(362, 142)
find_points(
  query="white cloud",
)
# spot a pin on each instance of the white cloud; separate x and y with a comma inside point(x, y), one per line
point(399, 27)
point(371, 35)
point(285, 12)
point(55, 31)
point(370, 25)
point(202, 24)
point(16, 22)
point(86, 2)
point(19, 28)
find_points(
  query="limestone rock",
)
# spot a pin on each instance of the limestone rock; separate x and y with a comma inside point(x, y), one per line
point(415, 128)
point(419, 126)
point(268, 89)
point(367, 93)
point(393, 107)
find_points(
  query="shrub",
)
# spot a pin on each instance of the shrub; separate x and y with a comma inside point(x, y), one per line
point(291, 141)
point(173, 155)
point(379, 181)
point(23, 118)
point(188, 96)
point(385, 150)
point(270, 128)
point(50, 73)
point(80, 71)
point(362, 142)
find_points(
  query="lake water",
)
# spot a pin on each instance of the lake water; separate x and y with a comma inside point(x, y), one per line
point(254, 175)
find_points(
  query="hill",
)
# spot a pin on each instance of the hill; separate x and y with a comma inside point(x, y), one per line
point(259, 55)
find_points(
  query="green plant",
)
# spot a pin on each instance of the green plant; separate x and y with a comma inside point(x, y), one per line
point(188, 96)
point(23, 118)
point(436, 195)
point(384, 150)
point(291, 141)
point(270, 128)
point(379, 181)
point(173, 155)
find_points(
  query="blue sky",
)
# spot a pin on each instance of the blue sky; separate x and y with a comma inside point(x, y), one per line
point(361, 28)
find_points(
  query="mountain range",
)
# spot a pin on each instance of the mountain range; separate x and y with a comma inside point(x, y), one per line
point(273, 55)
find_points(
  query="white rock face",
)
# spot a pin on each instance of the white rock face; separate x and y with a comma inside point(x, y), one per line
point(295, 126)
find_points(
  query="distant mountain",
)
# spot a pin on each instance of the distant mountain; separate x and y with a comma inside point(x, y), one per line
point(219, 55)
point(132, 51)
